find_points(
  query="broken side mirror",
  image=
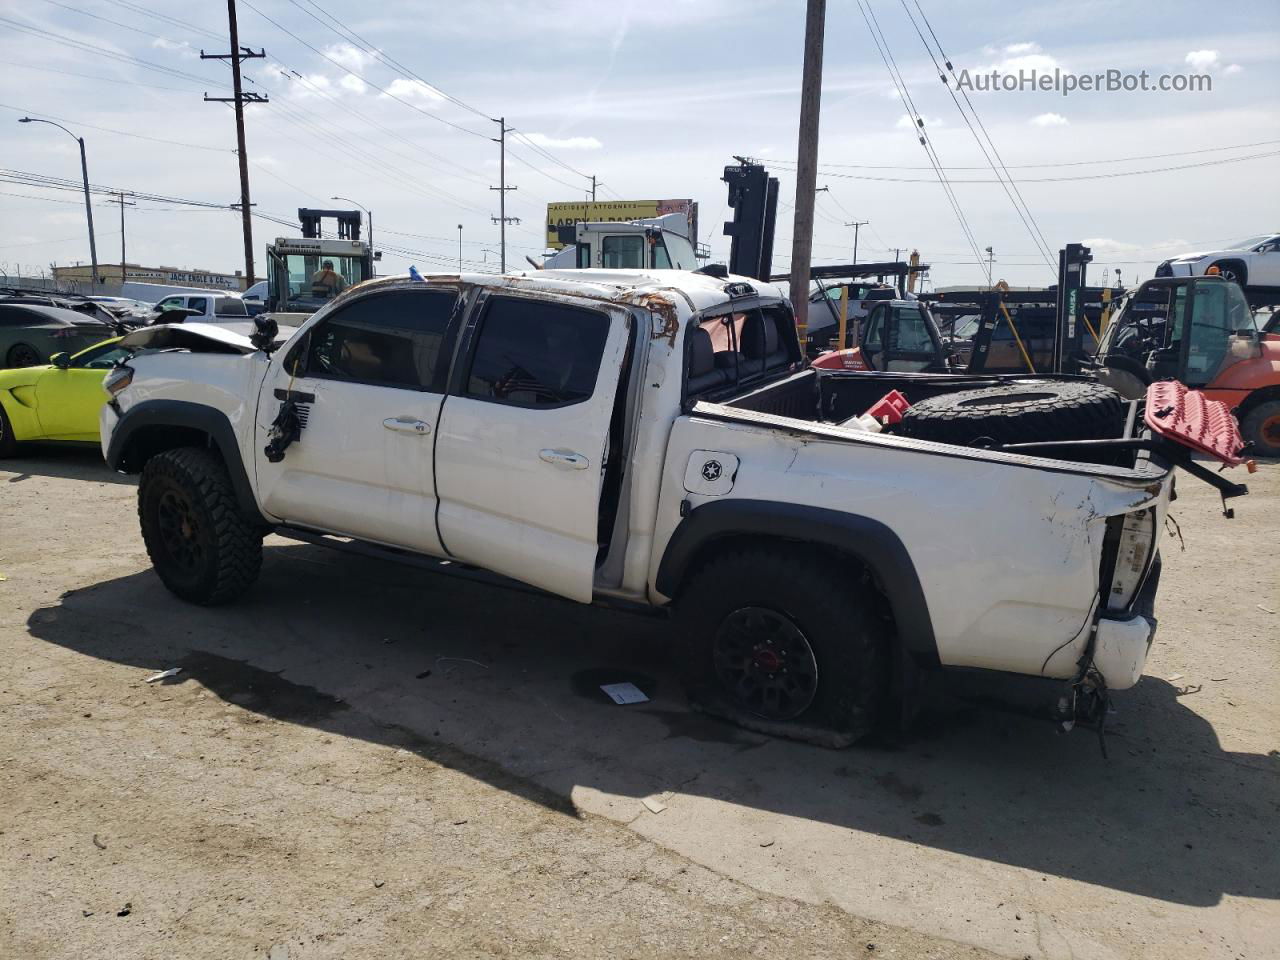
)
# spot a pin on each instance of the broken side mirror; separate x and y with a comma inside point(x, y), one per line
point(60, 360)
point(265, 331)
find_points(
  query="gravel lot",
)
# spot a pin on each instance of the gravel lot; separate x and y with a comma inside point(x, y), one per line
point(365, 760)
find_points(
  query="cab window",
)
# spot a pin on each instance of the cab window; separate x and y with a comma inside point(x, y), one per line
point(390, 339)
point(625, 252)
point(913, 331)
point(533, 354)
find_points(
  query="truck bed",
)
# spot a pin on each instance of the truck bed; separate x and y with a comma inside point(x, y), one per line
point(831, 398)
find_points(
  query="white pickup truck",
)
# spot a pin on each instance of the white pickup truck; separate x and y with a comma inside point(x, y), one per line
point(208, 307)
point(654, 438)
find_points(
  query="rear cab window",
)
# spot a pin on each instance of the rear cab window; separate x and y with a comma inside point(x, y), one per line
point(230, 307)
point(535, 354)
point(738, 347)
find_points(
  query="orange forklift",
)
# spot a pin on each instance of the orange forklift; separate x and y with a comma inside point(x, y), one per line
point(1204, 332)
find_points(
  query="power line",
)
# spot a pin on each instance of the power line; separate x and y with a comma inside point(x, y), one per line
point(1007, 183)
point(1044, 166)
point(347, 70)
point(905, 96)
point(1091, 176)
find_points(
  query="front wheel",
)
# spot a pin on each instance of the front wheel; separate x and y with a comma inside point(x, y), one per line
point(202, 546)
point(788, 635)
point(1261, 428)
point(1233, 270)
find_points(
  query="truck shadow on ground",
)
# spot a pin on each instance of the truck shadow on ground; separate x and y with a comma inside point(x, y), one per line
point(503, 685)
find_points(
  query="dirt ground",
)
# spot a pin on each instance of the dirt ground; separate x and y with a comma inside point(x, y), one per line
point(366, 760)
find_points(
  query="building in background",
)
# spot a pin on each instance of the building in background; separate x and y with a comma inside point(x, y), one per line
point(80, 277)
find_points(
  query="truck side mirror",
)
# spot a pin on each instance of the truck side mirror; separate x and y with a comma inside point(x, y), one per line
point(60, 360)
point(265, 331)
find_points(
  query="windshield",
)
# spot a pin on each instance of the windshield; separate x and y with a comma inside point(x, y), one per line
point(1249, 244)
point(673, 250)
point(102, 356)
point(314, 279)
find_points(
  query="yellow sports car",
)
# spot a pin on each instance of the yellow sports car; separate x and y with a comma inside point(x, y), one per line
point(59, 402)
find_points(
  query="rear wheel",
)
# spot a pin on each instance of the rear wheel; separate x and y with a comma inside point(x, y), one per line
point(23, 355)
point(201, 545)
point(786, 635)
point(1021, 412)
point(1261, 428)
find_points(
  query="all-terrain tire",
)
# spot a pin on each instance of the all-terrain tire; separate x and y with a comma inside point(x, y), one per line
point(833, 606)
point(1018, 413)
point(1260, 428)
point(202, 546)
point(8, 444)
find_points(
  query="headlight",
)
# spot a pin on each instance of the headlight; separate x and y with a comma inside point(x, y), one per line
point(1130, 542)
point(119, 378)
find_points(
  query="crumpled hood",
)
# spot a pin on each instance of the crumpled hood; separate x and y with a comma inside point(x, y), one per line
point(199, 337)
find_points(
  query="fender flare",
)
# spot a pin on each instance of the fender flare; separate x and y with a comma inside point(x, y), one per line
point(867, 540)
point(210, 421)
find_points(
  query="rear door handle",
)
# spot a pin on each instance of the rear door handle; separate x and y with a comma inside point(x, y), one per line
point(565, 458)
point(419, 428)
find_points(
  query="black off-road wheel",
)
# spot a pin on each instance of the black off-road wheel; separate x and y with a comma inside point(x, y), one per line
point(8, 445)
point(786, 638)
point(1021, 412)
point(23, 355)
point(202, 546)
point(1260, 428)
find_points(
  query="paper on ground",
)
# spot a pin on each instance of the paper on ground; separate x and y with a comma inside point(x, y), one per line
point(624, 693)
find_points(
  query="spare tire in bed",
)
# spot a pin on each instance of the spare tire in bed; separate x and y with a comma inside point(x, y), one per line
point(1021, 412)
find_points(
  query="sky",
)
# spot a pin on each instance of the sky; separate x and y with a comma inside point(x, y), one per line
point(390, 104)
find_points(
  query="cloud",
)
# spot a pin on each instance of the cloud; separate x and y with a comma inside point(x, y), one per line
point(413, 90)
point(1049, 120)
point(1232, 69)
point(1018, 49)
point(353, 58)
point(354, 84)
point(563, 143)
point(1202, 59)
point(184, 48)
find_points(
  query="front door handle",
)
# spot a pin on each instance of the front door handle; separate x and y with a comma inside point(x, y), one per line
point(565, 458)
point(418, 428)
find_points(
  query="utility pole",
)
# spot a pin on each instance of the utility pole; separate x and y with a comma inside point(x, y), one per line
point(239, 99)
point(593, 188)
point(856, 224)
point(459, 249)
point(122, 258)
point(991, 259)
point(502, 219)
point(807, 164)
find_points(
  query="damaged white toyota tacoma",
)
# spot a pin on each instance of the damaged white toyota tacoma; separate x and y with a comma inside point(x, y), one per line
point(655, 439)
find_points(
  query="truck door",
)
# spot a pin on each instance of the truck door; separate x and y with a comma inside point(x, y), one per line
point(523, 438)
point(369, 378)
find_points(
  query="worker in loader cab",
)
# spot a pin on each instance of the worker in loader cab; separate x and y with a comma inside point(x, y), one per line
point(326, 282)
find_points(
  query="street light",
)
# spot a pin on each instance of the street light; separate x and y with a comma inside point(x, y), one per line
point(88, 208)
point(459, 249)
point(369, 212)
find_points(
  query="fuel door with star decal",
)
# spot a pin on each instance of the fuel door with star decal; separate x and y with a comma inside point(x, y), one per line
point(710, 473)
